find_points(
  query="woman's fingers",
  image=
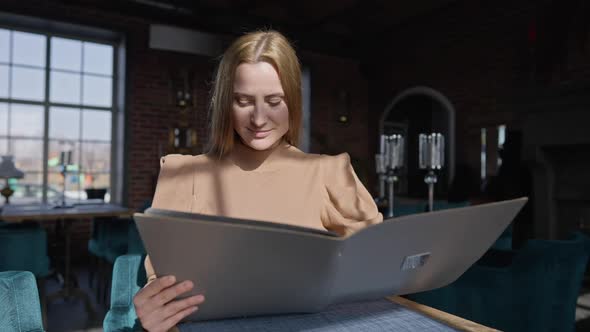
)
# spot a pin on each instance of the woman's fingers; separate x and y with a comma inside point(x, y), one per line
point(170, 310)
point(172, 321)
point(172, 292)
point(175, 307)
point(155, 287)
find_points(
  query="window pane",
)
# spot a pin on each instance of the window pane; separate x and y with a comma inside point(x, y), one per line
point(28, 49)
point(92, 180)
point(3, 81)
point(96, 157)
point(28, 83)
point(55, 149)
point(26, 120)
point(96, 125)
point(64, 123)
point(4, 45)
point(28, 154)
point(64, 87)
point(66, 54)
point(3, 147)
point(98, 59)
point(56, 183)
point(3, 119)
point(97, 91)
point(27, 190)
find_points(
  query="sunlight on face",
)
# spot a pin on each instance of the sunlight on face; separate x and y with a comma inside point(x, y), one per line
point(259, 111)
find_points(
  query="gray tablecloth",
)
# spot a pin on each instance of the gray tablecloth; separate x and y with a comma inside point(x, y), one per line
point(381, 315)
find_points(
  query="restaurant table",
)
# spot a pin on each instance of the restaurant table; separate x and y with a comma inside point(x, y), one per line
point(67, 215)
point(394, 313)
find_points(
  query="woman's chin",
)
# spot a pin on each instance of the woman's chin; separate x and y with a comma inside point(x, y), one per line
point(261, 144)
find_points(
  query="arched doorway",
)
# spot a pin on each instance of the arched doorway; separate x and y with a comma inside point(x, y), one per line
point(421, 110)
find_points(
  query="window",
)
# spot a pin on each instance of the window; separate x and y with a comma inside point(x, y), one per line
point(492, 140)
point(56, 94)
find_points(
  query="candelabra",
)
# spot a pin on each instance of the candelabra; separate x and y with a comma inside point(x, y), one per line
point(65, 159)
point(431, 158)
point(388, 161)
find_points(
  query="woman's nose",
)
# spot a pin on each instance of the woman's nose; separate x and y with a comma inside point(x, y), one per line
point(258, 116)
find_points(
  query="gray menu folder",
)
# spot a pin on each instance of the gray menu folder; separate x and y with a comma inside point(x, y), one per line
point(248, 268)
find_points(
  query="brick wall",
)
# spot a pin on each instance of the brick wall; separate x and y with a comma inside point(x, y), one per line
point(339, 87)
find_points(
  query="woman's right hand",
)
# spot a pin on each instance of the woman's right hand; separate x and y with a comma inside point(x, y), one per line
point(157, 308)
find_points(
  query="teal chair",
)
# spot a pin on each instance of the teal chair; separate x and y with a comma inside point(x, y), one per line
point(533, 289)
point(19, 302)
point(445, 205)
point(108, 241)
point(111, 238)
point(23, 247)
point(128, 278)
point(134, 242)
point(407, 209)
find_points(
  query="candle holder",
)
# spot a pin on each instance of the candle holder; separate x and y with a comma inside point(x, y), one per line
point(65, 160)
point(388, 161)
point(431, 158)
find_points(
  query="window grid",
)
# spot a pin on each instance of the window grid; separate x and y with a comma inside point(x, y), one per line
point(47, 105)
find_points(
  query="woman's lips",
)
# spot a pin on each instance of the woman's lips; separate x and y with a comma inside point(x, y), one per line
point(260, 133)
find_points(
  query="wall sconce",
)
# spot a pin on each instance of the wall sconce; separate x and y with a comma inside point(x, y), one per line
point(181, 85)
point(343, 107)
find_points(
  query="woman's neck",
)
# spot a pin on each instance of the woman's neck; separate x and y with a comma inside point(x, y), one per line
point(249, 159)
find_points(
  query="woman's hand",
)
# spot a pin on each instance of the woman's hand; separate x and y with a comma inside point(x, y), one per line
point(155, 305)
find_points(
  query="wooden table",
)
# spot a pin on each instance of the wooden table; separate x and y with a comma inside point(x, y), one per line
point(41, 212)
point(45, 212)
point(441, 316)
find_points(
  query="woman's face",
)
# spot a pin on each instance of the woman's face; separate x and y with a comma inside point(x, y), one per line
point(259, 111)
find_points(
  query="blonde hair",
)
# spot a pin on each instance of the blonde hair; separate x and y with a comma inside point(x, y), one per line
point(261, 46)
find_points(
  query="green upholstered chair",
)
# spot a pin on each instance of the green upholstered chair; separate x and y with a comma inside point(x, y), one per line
point(23, 247)
point(128, 278)
point(532, 289)
point(19, 302)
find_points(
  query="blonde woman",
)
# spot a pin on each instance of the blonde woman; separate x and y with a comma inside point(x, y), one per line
point(253, 169)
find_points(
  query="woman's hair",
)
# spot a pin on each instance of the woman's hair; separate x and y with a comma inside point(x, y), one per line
point(261, 46)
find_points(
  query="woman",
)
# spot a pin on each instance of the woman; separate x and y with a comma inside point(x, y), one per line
point(253, 169)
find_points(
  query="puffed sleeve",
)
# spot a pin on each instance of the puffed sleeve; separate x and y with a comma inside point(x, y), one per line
point(349, 206)
point(174, 190)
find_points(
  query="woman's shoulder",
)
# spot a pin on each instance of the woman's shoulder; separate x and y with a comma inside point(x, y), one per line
point(181, 160)
point(326, 161)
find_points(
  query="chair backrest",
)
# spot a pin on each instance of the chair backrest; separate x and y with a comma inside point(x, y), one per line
point(406, 209)
point(19, 302)
point(24, 248)
point(128, 278)
point(558, 268)
point(444, 205)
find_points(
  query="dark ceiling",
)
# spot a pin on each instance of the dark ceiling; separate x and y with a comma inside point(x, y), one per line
point(337, 27)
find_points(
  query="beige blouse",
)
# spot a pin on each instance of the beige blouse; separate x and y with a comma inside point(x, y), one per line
point(283, 185)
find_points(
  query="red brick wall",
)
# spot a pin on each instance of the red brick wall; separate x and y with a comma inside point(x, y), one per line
point(331, 78)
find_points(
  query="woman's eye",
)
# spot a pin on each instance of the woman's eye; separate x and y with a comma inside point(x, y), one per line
point(243, 101)
point(274, 101)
